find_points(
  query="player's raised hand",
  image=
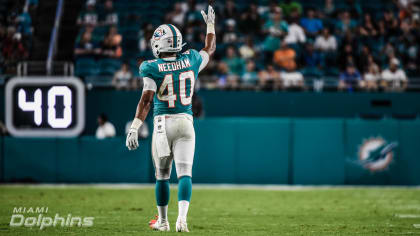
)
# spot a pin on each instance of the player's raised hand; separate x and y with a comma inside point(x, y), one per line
point(210, 17)
point(132, 141)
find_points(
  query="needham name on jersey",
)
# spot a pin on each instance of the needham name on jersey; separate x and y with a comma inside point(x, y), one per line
point(176, 65)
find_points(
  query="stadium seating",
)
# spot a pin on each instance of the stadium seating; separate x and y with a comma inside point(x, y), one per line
point(108, 66)
point(133, 15)
point(86, 67)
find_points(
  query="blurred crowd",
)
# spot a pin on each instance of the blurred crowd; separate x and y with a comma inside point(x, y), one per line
point(15, 33)
point(270, 45)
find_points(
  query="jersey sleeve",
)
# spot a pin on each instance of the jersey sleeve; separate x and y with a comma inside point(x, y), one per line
point(149, 84)
point(195, 58)
point(205, 60)
point(144, 70)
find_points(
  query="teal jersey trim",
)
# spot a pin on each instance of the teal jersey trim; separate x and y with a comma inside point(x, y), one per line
point(174, 34)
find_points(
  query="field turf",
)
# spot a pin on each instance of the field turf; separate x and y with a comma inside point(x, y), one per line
point(215, 211)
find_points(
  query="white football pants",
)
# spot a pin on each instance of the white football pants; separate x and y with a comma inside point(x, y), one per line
point(181, 139)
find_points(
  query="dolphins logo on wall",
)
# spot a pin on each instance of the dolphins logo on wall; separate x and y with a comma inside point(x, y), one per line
point(376, 154)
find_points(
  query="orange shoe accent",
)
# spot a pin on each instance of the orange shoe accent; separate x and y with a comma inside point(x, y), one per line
point(152, 222)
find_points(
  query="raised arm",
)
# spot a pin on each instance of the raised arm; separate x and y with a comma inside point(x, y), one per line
point(210, 43)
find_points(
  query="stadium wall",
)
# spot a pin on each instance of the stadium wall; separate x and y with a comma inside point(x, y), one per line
point(120, 105)
point(231, 150)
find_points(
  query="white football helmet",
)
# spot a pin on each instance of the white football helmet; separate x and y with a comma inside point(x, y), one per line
point(166, 38)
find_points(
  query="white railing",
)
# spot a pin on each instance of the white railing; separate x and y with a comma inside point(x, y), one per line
point(54, 37)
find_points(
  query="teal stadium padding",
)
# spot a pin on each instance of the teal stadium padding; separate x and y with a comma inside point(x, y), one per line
point(231, 150)
point(99, 81)
point(121, 108)
point(120, 105)
point(108, 66)
point(86, 67)
point(75, 160)
point(318, 150)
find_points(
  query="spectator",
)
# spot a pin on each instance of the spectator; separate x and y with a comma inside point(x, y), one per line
point(363, 58)
point(393, 78)
point(109, 17)
point(235, 64)
point(329, 8)
point(353, 8)
point(412, 55)
point(177, 16)
point(391, 24)
point(276, 28)
point(326, 42)
point(285, 57)
point(250, 22)
point(292, 79)
point(372, 75)
point(145, 34)
point(230, 11)
point(230, 35)
point(347, 56)
point(296, 34)
point(406, 8)
point(250, 77)
point(122, 78)
point(193, 15)
point(24, 23)
point(345, 23)
point(350, 79)
point(247, 50)
point(311, 58)
point(89, 16)
point(105, 128)
point(13, 49)
point(288, 6)
point(269, 79)
point(368, 29)
point(311, 24)
point(223, 76)
point(110, 46)
point(86, 48)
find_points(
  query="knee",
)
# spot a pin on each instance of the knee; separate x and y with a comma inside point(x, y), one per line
point(163, 174)
point(183, 169)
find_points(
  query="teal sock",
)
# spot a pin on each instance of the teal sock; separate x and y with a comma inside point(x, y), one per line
point(184, 188)
point(162, 192)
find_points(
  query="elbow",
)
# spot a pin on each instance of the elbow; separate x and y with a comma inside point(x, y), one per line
point(213, 49)
point(210, 50)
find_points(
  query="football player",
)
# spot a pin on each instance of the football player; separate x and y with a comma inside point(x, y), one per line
point(168, 83)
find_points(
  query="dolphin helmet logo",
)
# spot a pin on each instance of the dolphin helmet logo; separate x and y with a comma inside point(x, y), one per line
point(159, 32)
point(376, 154)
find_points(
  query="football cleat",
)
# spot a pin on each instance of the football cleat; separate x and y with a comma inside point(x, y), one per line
point(181, 226)
point(157, 224)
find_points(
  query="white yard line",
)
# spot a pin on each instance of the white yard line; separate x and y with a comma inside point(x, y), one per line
point(406, 216)
point(417, 226)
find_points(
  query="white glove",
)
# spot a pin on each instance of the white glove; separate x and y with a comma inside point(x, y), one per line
point(210, 17)
point(132, 141)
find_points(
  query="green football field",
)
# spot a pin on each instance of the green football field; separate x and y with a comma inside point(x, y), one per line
point(221, 211)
